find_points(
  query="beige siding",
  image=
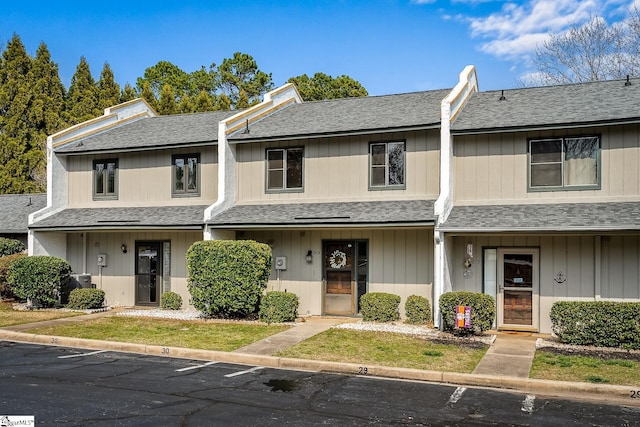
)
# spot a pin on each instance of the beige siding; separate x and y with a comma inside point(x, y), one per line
point(338, 169)
point(400, 262)
point(492, 168)
point(144, 179)
point(117, 278)
point(621, 267)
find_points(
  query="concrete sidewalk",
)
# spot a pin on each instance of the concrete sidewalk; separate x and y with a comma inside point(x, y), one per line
point(510, 355)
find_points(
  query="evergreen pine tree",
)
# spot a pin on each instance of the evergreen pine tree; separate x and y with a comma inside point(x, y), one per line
point(108, 89)
point(167, 104)
point(148, 95)
point(128, 93)
point(203, 102)
point(83, 97)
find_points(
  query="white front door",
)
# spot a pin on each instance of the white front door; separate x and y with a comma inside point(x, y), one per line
point(518, 289)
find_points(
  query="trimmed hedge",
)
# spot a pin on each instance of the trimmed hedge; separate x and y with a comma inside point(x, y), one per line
point(5, 263)
point(417, 310)
point(86, 298)
point(41, 279)
point(170, 301)
point(598, 323)
point(228, 277)
point(380, 307)
point(483, 311)
point(278, 307)
point(10, 246)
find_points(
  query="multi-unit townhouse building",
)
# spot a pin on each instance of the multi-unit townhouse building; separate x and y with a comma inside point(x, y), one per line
point(530, 195)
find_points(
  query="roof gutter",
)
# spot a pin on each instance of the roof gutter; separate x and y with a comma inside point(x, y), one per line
point(559, 126)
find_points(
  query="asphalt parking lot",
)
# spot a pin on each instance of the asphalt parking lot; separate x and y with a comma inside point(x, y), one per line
point(76, 387)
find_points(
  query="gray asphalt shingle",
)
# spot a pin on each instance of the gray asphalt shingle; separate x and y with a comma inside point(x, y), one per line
point(349, 213)
point(545, 217)
point(551, 106)
point(15, 210)
point(153, 132)
point(125, 217)
point(339, 116)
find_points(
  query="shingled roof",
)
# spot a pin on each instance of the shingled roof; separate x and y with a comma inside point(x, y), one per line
point(398, 212)
point(573, 105)
point(349, 115)
point(185, 217)
point(15, 210)
point(152, 133)
point(614, 216)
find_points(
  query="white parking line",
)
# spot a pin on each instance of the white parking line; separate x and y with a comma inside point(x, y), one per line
point(82, 354)
point(527, 404)
point(195, 367)
point(457, 395)
point(235, 374)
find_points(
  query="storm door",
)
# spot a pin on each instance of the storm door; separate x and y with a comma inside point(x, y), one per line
point(518, 289)
point(345, 275)
point(148, 273)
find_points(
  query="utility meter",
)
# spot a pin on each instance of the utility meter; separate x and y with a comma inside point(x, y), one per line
point(281, 263)
point(102, 260)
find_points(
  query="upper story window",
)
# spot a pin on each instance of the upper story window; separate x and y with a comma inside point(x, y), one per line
point(186, 175)
point(387, 165)
point(564, 163)
point(105, 179)
point(284, 169)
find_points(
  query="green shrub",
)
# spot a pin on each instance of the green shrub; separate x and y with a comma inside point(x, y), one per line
point(228, 277)
point(170, 301)
point(10, 246)
point(599, 323)
point(86, 298)
point(483, 310)
point(40, 279)
point(5, 263)
point(380, 307)
point(277, 307)
point(417, 310)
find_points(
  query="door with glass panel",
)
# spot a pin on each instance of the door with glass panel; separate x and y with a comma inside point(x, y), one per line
point(518, 288)
point(148, 273)
point(345, 275)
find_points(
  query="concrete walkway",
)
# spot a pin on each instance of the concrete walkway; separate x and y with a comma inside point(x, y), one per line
point(510, 355)
point(300, 332)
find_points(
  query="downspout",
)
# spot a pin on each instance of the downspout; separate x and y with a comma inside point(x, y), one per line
point(450, 106)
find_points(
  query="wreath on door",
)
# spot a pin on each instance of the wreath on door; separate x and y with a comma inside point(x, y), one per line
point(338, 259)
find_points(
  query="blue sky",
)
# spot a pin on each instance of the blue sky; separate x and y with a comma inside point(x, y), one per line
point(390, 46)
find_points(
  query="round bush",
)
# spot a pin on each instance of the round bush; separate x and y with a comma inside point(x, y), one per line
point(380, 307)
point(277, 307)
point(483, 311)
point(170, 301)
point(40, 279)
point(5, 263)
point(10, 246)
point(417, 309)
point(228, 277)
point(86, 298)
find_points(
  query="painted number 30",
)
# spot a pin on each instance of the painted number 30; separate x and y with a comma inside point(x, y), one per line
point(635, 394)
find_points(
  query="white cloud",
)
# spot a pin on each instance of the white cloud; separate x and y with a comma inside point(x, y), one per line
point(423, 1)
point(517, 28)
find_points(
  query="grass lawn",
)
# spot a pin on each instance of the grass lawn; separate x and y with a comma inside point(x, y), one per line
point(10, 317)
point(386, 349)
point(196, 334)
point(552, 366)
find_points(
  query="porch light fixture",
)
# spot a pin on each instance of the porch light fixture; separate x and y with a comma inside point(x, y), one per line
point(123, 248)
point(309, 256)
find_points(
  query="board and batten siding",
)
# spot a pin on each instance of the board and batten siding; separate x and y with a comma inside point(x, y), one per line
point(573, 256)
point(400, 262)
point(144, 179)
point(118, 277)
point(493, 168)
point(337, 169)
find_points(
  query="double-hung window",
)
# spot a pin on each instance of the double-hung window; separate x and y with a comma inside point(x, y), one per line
point(387, 165)
point(564, 163)
point(186, 175)
point(284, 169)
point(105, 179)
